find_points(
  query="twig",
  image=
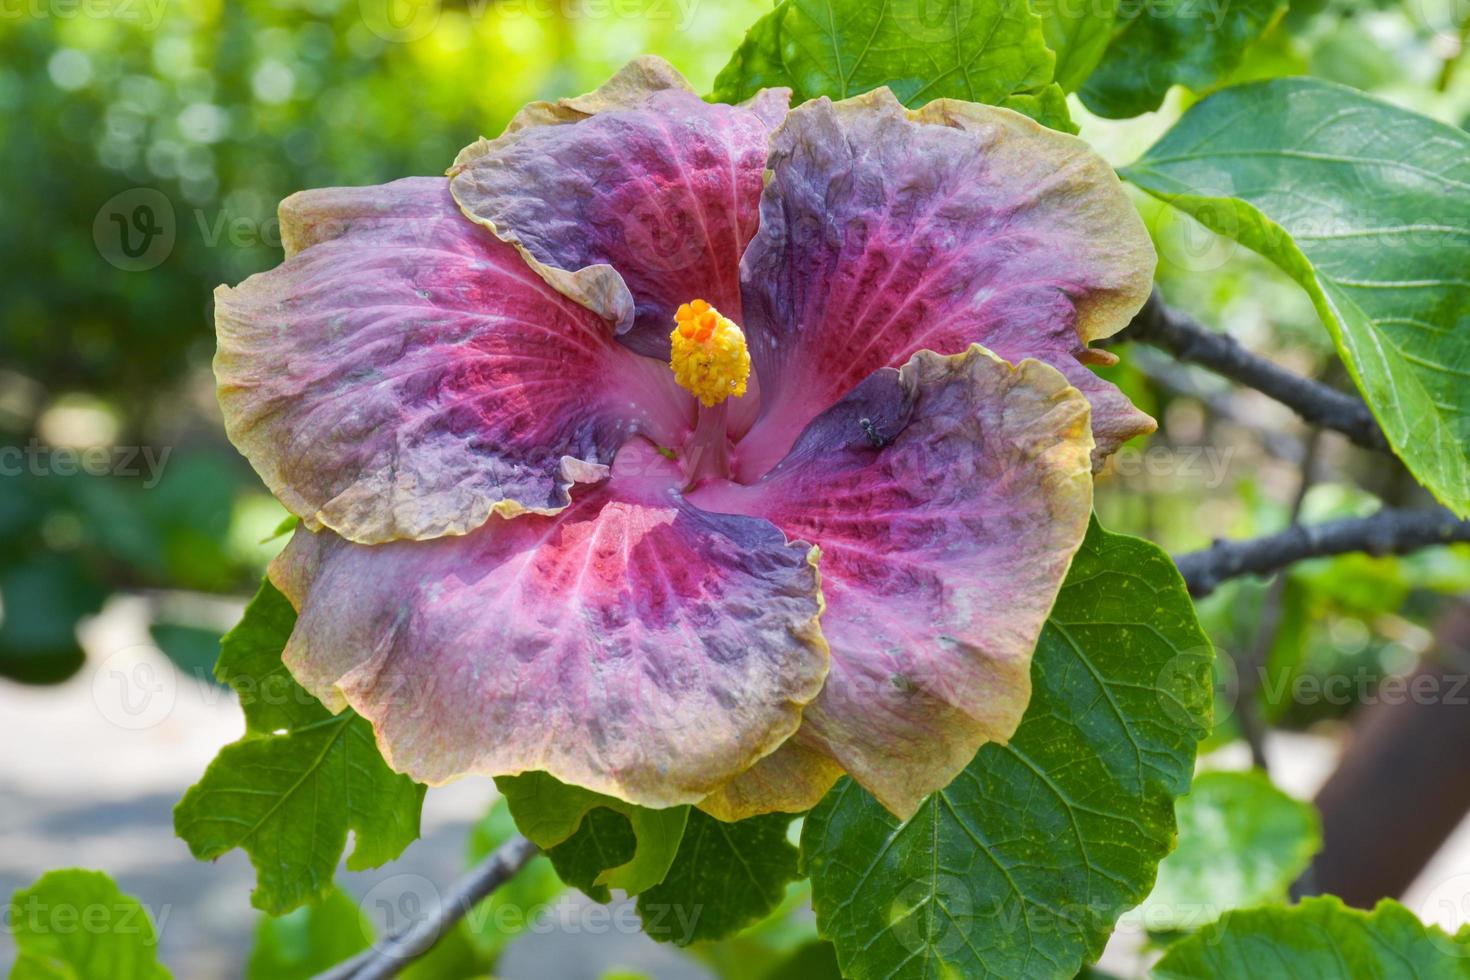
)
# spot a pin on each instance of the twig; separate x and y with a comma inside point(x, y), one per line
point(388, 957)
point(1317, 403)
point(1390, 531)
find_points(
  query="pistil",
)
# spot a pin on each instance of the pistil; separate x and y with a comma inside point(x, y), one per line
point(707, 453)
point(709, 359)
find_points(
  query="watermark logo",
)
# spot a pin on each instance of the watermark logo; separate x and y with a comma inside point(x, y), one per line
point(399, 904)
point(933, 915)
point(135, 230)
point(1448, 906)
point(934, 21)
point(132, 690)
point(400, 21)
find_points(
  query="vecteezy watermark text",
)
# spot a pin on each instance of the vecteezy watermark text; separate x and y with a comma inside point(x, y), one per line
point(36, 458)
point(148, 13)
point(36, 915)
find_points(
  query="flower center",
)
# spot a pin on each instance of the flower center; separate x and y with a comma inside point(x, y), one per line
point(709, 357)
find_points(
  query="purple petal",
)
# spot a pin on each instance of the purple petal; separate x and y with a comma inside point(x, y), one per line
point(884, 232)
point(632, 644)
point(632, 199)
point(947, 500)
point(403, 374)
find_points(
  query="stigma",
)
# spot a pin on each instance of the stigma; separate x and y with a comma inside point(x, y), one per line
point(709, 357)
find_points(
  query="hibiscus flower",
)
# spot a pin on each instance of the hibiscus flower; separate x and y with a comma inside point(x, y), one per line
point(691, 453)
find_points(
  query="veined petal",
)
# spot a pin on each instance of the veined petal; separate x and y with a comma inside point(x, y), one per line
point(403, 374)
point(885, 231)
point(948, 499)
point(632, 644)
point(632, 199)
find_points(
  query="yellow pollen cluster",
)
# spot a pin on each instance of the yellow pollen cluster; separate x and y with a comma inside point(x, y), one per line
point(709, 356)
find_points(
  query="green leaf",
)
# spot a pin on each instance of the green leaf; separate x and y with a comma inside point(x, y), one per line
point(285, 527)
point(1195, 43)
point(1047, 106)
point(1320, 938)
point(725, 877)
point(1078, 33)
point(550, 813)
point(300, 779)
point(1022, 865)
point(764, 951)
point(250, 665)
point(1241, 842)
point(979, 50)
point(78, 925)
point(310, 940)
point(605, 840)
point(1367, 206)
point(756, 63)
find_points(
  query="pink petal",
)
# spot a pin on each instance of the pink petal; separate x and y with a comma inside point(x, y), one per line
point(403, 374)
point(632, 644)
point(947, 499)
point(632, 199)
point(884, 232)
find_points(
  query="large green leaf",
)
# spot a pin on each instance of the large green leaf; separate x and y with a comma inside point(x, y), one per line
point(1242, 842)
point(1367, 206)
point(250, 664)
point(1320, 938)
point(77, 925)
point(1022, 865)
point(1078, 32)
point(725, 876)
point(757, 63)
point(979, 50)
point(1195, 43)
point(300, 779)
point(1047, 106)
point(617, 845)
point(605, 840)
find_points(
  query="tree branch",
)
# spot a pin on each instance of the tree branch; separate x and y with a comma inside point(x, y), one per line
point(388, 957)
point(1319, 404)
point(1390, 531)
